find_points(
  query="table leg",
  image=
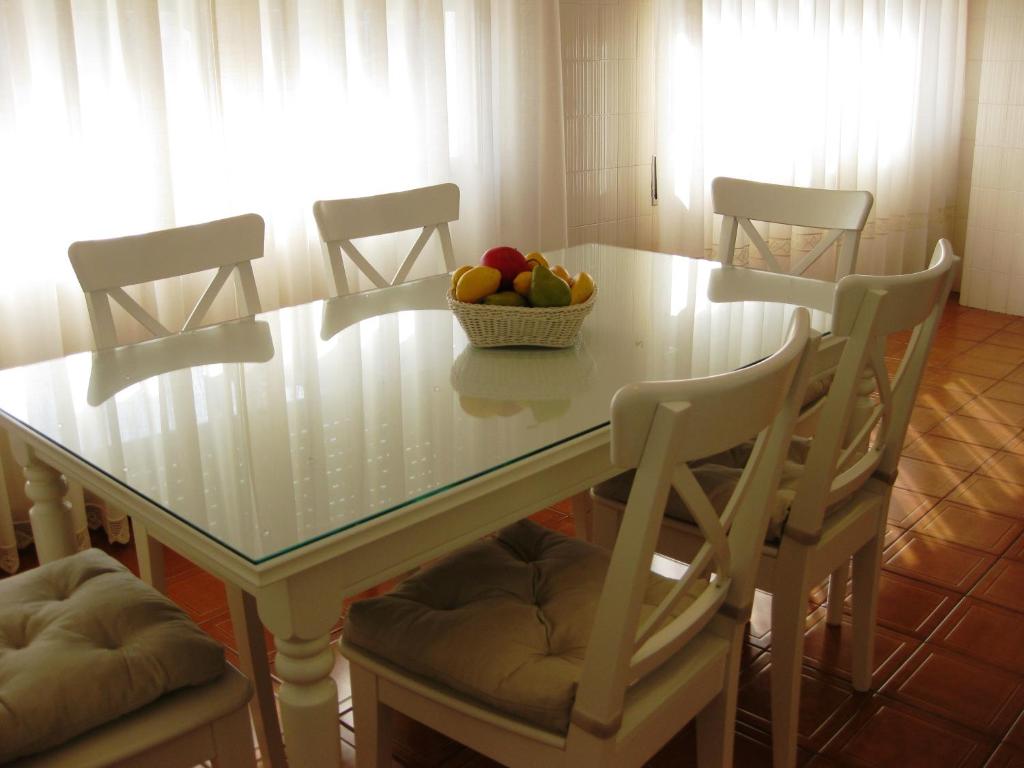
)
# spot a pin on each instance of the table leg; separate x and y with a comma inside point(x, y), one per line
point(582, 508)
point(50, 514)
point(301, 621)
point(252, 657)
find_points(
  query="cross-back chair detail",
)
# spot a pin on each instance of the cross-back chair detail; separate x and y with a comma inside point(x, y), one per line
point(840, 480)
point(105, 267)
point(658, 427)
point(641, 676)
point(342, 221)
point(842, 214)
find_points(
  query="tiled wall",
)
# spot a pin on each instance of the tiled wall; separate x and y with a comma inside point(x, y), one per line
point(994, 244)
point(608, 82)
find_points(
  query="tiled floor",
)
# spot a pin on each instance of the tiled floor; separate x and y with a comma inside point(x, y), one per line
point(949, 680)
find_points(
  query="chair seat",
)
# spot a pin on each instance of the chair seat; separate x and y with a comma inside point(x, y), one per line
point(718, 478)
point(84, 642)
point(504, 621)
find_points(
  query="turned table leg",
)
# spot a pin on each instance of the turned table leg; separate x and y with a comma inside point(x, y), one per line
point(301, 621)
point(50, 514)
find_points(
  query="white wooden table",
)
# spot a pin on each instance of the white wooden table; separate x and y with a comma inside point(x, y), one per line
point(337, 456)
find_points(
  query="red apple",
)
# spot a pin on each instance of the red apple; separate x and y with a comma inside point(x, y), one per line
point(506, 260)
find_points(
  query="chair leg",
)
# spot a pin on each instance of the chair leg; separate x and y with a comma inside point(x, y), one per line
point(836, 595)
point(789, 608)
point(867, 565)
point(372, 721)
point(716, 723)
point(582, 505)
point(150, 554)
point(232, 739)
point(604, 524)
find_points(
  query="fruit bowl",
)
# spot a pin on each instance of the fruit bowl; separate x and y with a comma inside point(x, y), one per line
point(489, 325)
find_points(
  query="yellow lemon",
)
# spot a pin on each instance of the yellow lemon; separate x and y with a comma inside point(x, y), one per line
point(521, 284)
point(457, 274)
point(533, 259)
point(476, 283)
point(582, 288)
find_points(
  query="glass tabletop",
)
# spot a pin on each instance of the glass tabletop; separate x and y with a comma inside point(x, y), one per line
point(272, 433)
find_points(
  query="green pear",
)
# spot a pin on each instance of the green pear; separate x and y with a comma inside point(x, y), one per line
point(547, 289)
point(505, 299)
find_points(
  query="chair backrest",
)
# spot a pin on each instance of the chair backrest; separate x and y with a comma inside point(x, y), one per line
point(841, 213)
point(105, 267)
point(657, 427)
point(342, 221)
point(862, 421)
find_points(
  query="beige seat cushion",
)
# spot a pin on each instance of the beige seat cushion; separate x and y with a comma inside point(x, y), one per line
point(504, 621)
point(718, 478)
point(82, 642)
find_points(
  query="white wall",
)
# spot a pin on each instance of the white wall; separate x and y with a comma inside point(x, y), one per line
point(994, 241)
point(608, 83)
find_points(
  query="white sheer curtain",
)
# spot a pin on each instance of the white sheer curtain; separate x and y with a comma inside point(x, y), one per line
point(842, 94)
point(122, 116)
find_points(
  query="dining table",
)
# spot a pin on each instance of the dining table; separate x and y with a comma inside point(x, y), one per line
point(309, 453)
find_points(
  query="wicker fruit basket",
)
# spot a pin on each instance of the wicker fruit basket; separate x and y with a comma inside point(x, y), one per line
point(488, 325)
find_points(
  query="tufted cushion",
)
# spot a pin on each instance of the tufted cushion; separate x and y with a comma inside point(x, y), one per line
point(82, 642)
point(505, 621)
point(718, 477)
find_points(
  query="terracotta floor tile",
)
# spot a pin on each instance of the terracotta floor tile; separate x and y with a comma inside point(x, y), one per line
point(924, 419)
point(1016, 550)
point(1006, 756)
point(937, 562)
point(200, 594)
point(1007, 390)
point(942, 350)
point(1017, 376)
point(1003, 585)
point(995, 352)
point(1007, 339)
point(829, 649)
point(1015, 735)
point(991, 494)
point(907, 507)
point(826, 703)
point(909, 606)
point(889, 734)
point(980, 366)
point(1016, 445)
point(949, 453)
point(970, 527)
point(1002, 411)
point(977, 431)
point(928, 478)
point(986, 632)
point(959, 688)
point(965, 332)
point(1004, 466)
point(943, 400)
point(952, 379)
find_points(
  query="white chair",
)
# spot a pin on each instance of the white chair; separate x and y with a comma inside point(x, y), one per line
point(77, 629)
point(342, 221)
point(839, 482)
point(622, 658)
point(841, 213)
point(105, 267)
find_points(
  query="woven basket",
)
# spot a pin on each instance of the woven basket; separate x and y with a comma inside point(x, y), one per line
point(522, 374)
point(488, 325)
